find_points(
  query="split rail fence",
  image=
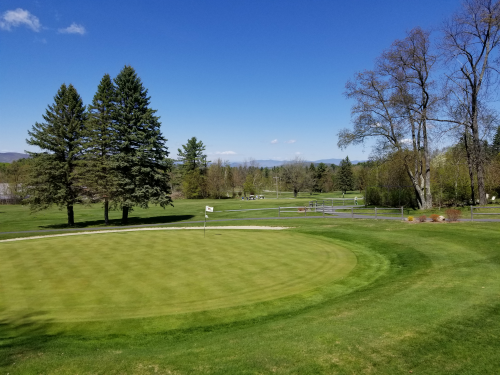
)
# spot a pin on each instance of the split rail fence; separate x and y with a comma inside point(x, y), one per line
point(473, 213)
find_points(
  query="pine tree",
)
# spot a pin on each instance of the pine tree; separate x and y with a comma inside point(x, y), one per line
point(345, 176)
point(53, 179)
point(192, 155)
point(496, 142)
point(99, 142)
point(141, 155)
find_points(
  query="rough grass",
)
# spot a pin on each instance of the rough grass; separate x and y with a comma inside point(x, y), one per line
point(421, 298)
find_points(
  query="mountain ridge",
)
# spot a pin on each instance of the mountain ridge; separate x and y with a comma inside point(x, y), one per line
point(9, 157)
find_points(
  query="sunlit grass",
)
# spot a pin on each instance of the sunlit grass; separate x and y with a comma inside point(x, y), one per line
point(421, 298)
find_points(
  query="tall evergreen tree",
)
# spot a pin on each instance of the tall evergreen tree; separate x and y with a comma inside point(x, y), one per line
point(99, 142)
point(53, 178)
point(141, 155)
point(345, 176)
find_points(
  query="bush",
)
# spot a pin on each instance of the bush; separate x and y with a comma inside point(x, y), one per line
point(422, 219)
point(177, 195)
point(453, 214)
point(434, 218)
point(410, 218)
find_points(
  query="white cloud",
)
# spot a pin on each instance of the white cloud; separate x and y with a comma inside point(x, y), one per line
point(18, 17)
point(73, 29)
point(291, 141)
point(274, 141)
point(225, 153)
point(298, 153)
point(406, 140)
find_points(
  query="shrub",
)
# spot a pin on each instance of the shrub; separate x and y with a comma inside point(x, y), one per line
point(434, 218)
point(177, 195)
point(422, 219)
point(453, 214)
point(410, 218)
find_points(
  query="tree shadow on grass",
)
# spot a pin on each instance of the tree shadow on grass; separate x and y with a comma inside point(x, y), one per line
point(22, 336)
point(117, 222)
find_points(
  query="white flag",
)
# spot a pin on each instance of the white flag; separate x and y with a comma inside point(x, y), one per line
point(209, 209)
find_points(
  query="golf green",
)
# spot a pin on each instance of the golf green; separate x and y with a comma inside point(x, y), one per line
point(105, 276)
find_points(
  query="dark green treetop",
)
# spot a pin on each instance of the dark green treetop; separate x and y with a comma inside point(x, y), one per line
point(53, 179)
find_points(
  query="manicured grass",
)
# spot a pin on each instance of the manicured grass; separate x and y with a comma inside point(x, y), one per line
point(421, 298)
point(18, 218)
point(155, 273)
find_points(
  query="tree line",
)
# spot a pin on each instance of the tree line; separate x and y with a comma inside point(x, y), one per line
point(193, 176)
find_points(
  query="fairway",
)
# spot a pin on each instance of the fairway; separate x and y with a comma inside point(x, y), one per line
point(322, 297)
point(154, 273)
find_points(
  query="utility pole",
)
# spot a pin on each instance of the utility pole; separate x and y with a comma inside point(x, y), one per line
point(277, 178)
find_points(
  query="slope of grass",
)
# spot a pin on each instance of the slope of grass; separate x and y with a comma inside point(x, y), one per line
point(430, 306)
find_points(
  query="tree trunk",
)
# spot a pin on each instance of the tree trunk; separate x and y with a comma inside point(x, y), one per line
point(416, 186)
point(106, 211)
point(470, 165)
point(478, 158)
point(124, 215)
point(427, 173)
point(295, 191)
point(71, 215)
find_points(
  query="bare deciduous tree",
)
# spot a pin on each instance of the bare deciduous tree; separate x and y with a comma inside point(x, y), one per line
point(470, 42)
point(296, 174)
point(216, 179)
point(393, 103)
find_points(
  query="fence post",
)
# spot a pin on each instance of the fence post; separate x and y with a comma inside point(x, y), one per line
point(323, 208)
point(402, 214)
point(279, 211)
point(352, 212)
point(471, 213)
point(375, 213)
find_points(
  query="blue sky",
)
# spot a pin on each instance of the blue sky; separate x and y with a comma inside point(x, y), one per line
point(261, 79)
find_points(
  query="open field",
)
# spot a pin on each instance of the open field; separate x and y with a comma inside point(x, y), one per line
point(19, 218)
point(15, 218)
point(420, 298)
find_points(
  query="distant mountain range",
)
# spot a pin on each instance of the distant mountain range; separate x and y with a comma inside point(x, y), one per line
point(277, 163)
point(9, 157)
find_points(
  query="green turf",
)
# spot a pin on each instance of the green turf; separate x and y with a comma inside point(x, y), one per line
point(15, 218)
point(421, 298)
point(19, 218)
point(117, 276)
